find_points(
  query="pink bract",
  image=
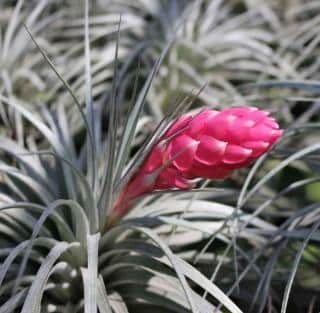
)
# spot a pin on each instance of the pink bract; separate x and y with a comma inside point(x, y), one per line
point(210, 145)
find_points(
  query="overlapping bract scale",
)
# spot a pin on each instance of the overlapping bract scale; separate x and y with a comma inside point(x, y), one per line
point(210, 145)
point(227, 140)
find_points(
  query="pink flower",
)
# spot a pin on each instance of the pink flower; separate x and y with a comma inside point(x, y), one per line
point(226, 141)
point(211, 145)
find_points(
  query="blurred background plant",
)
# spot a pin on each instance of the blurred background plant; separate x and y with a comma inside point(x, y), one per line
point(254, 236)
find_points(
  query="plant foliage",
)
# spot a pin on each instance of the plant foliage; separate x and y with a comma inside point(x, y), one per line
point(85, 91)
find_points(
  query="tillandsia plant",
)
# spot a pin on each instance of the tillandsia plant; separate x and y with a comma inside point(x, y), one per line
point(191, 245)
point(218, 39)
point(56, 195)
point(209, 145)
point(213, 45)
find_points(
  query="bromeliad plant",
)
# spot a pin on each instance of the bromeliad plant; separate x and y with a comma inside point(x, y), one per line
point(64, 189)
point(59, 252)
point(56, 197)
point(217, 41)
point(49, 197)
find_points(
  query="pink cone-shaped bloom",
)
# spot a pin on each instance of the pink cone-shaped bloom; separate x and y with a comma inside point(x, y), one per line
point(210, 145)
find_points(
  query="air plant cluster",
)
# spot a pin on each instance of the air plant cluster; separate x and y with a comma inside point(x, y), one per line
point(142, 165)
